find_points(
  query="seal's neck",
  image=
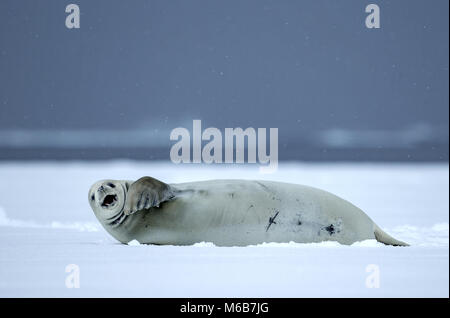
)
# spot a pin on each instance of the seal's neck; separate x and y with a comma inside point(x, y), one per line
point(118, 220)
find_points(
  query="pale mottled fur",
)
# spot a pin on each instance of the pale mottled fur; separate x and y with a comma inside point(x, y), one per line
point(230, 213)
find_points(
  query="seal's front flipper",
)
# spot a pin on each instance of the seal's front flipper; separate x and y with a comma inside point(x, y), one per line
point(145, 193)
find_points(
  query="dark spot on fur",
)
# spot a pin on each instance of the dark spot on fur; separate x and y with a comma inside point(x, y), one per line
point(299, 222)
point(93, 197)
point(330, 229)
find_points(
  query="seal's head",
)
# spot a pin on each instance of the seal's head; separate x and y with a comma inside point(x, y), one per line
point(107, 200)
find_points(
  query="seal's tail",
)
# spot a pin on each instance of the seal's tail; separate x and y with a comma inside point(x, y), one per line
point(385, 238)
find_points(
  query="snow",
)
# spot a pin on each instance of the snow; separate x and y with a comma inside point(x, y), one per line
point(46, 224)
point(134, 243)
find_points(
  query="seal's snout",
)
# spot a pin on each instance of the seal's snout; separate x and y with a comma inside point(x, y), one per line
point(107, 194)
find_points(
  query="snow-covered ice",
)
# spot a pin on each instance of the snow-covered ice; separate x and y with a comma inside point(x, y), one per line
point(46, 224)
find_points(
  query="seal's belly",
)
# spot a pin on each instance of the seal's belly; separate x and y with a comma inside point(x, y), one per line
point(238, 213)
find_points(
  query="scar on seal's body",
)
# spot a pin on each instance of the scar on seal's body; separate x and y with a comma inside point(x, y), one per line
point(263, 186)
point(272, 220)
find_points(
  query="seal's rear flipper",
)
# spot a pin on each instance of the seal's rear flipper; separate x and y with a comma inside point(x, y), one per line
point(146, 193)
point(385, 238)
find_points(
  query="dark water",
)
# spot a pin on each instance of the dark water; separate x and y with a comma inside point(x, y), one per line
point(425, 153)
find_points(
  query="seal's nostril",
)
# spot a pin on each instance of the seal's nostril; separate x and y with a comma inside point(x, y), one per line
point(111, 185)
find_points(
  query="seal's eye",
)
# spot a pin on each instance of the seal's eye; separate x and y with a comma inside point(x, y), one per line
point(111, 185)
point(109, 199)
point(93, 197)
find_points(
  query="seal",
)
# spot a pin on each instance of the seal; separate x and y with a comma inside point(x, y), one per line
point(228, 213)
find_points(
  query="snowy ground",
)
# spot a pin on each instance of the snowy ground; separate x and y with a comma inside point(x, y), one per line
point(46, 224)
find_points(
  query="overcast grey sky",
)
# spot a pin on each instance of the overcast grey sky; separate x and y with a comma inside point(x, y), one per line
point(301, 66)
